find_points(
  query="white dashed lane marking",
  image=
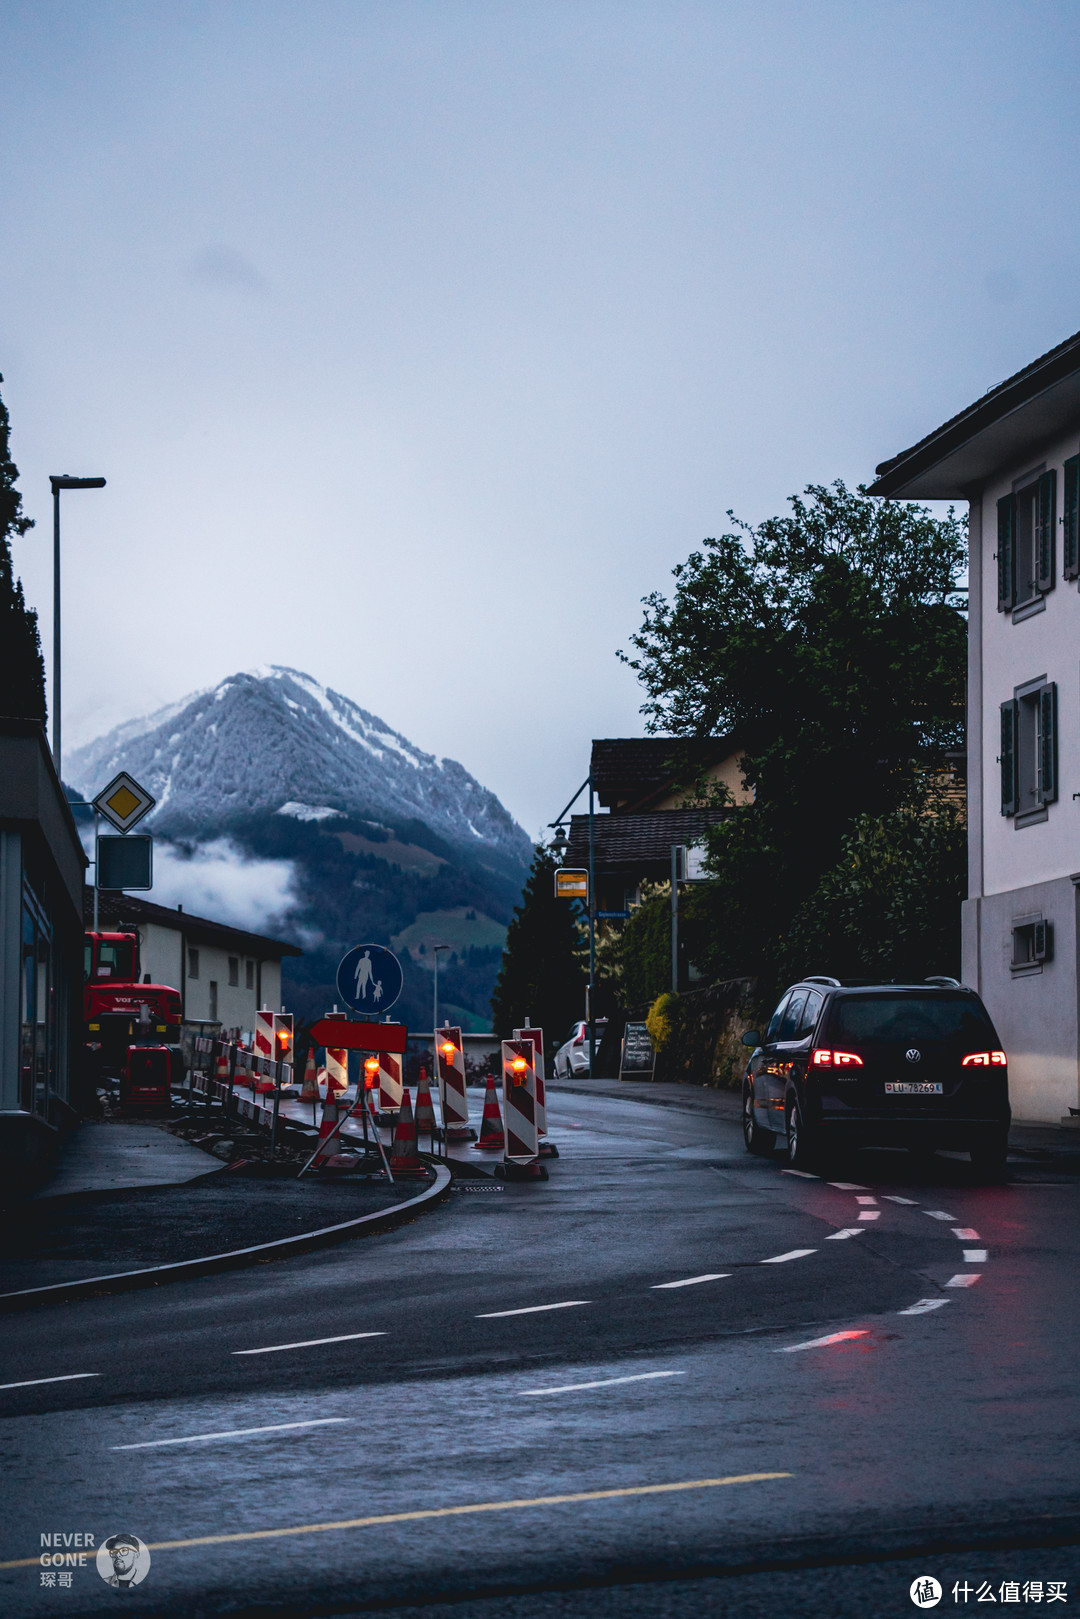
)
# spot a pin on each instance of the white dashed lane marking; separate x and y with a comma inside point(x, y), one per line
point(967, 1278)
point(976, 1256)
point(232, 1433)
point(796, 1253)
point(602, 1383)
point(803, 1174)
point(31, 1382)
point(847, 1186)
point(687, 1281)
point(869, 1214)
point(922, 1306)
point(866, 1201)
point(848, 1231)
point(533, 1309)
point(965, 1233)
point(310, 1343)
point(909, 1202)
point(939, 1214)
point(821, 1343)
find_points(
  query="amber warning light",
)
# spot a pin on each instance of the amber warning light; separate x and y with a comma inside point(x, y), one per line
point(518, 1064)
point(448, 1049)
point(371, 1072)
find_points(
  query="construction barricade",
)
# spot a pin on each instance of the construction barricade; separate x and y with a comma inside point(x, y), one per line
point(521, 1153)
point(548, 1149)
point(452, 1095)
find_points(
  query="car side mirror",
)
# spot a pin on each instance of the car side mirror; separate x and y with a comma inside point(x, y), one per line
point(751, 1038)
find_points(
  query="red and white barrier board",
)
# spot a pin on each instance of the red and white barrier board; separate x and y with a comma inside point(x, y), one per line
point(264, 1033)
point(519, 1102)
point(455, 1103)
point(337, 1071)
point(537, 1038)
point(390, 1082)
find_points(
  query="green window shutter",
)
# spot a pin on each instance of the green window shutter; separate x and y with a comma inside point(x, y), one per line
point(1070, 561)
point(1045, 524)
point(1048, 744)
point(1006, 509)
point(1008, 757)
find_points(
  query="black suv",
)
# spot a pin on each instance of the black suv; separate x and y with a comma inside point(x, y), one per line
point(889, 1065)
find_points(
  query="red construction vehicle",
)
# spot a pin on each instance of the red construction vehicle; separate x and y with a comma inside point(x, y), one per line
point(119, 1014)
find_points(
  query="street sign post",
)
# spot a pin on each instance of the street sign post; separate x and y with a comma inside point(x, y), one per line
point(123, 802)
point(369, 979)
point(571, 884)
point(124, 862)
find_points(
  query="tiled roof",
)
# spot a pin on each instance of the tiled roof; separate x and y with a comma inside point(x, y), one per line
point(633, 841)
point(1049, 369)
point(634, 766)
point(115, 911)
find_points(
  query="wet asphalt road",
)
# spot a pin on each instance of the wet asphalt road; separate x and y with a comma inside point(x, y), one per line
point(525, 1343)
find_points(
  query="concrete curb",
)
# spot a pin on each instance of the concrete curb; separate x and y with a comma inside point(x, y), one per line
point(210, 1264)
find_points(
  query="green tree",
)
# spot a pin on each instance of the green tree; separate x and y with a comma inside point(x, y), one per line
point(541, 977)
point(832, 644)
point(890, 907)
point(22, 671)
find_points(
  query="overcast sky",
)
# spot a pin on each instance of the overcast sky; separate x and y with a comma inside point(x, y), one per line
point(419, 341)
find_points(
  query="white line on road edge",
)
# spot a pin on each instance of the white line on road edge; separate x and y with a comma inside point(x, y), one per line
point(533, 1309)
point(939, 1214)
point(848, 1231)
point(438, 1512)
point(908, 1202)
point(869, 1214)
point(687, 1281)
point(803, 1174)
point(68, 1377)
point(820, 1343)
point(796, 1253)
point(965, 1233)
point(966, 1278)
point(310, 1343)
point(976, 1256)
point(923, 1305)
point(231, 1433)
point(847, 1186)
point(602, 1383)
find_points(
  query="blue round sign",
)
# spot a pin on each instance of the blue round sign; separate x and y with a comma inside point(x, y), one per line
point(369, 979)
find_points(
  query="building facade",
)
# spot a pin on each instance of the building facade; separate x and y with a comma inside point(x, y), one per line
point(42, 868)
point(1014, 456)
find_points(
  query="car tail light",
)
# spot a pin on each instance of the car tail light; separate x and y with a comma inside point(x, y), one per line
point(984, 1059)
point(835, 1059)
point(579, 1039)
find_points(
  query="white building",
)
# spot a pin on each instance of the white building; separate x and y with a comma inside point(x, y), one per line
point(1014, 456)
point(224, 974)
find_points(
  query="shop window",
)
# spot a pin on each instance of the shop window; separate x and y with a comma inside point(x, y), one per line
point(234, 971)
point(192, 962)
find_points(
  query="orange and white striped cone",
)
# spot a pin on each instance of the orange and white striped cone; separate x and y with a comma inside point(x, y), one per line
point(310, 1089)
point(492, 1134)
point(404, 1154)
point(425, 1111)
point(328, 1129)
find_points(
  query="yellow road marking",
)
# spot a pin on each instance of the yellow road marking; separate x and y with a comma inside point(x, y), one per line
point(438, 1512)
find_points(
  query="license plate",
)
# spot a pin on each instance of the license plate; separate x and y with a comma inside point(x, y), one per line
point(909, 1087)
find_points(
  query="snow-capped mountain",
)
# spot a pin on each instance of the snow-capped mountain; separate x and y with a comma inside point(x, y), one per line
point(276, 740)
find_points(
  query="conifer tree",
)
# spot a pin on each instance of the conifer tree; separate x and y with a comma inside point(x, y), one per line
point(541, 977)
point(22, 670)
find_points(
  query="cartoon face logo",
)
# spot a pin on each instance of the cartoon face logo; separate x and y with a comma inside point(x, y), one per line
point(913, 1054)
point(123, 1561)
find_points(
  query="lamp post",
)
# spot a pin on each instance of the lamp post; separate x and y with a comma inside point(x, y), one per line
point(61, 481)
point(435, 1009)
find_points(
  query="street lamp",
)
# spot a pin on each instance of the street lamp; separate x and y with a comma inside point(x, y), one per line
point(435, 1011)
point(61, 481)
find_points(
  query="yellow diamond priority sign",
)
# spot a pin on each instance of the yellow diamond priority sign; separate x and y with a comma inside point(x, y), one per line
point(123, 802)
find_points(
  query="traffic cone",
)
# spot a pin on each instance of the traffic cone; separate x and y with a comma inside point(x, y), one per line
point(492, 1135)
point(404, 1154)
point(425, 1112)
point(310, 1090)
point(327, 1127)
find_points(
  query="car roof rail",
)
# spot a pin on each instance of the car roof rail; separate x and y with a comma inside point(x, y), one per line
point(944, 983)
point(832, 983)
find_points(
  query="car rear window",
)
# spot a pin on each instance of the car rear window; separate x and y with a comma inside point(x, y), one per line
point(956, 1018)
